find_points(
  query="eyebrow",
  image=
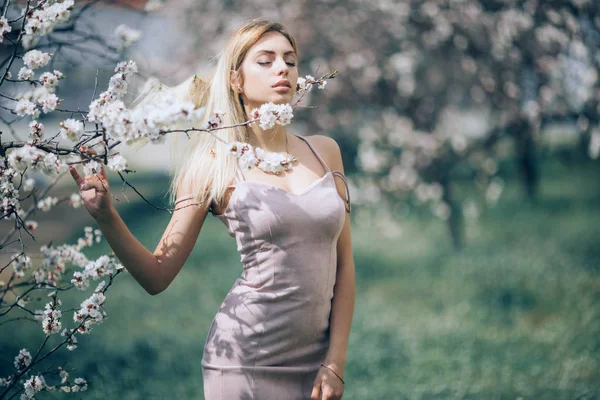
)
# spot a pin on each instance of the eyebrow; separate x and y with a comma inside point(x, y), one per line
point(272, 52)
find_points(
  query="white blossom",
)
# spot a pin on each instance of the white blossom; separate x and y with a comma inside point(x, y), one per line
point(51, 322)
point(71, 129)
point(71, 345)
point(22, 360)
point(31, 225)
point(20, 264)
point(34, 59)
point(99, 268)
point(127, 35)
point(244, 152)
point(64, 375)
point(302, 86)
point(92, 168)
point(50, 79)
point(49, 102)
point(215, 120)
point(35, 94)
point(80, 280)
point(117, 163)
point(126, 67)
point(118, 85)
point(100, 287)
point(28, 184)
point(32, 27)
point(270, 114)
point(52, 164)
point(80, 385)
point(4, 28)
point(25, 73)
point(269, 161)
point(250, 157)
point(33, 385)
point(75, 200)
point(45, 19)
point(47, 203)
point(25, 107)
point(147, 122)
point(26, 156)
point(90, 312)
point(23, 300)
point(36, 130)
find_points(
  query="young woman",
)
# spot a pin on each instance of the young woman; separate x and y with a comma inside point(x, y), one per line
point(282, 330)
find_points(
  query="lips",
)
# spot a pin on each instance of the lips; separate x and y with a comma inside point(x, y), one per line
point(284, 83)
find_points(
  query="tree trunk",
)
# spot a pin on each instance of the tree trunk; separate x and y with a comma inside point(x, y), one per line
point(455, 221)
point(526, 159)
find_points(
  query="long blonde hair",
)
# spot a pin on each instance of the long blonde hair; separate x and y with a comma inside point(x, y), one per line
point(204, 176)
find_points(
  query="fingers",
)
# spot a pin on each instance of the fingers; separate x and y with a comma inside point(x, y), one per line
point(87, 150)
point(329, 394)
point(91, 151)
point(327, 387)
point(89, 181)
point(316, 391)
point(76, 176)
point(94, 183)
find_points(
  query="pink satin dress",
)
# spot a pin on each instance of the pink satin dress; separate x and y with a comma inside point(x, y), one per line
point(271, 332)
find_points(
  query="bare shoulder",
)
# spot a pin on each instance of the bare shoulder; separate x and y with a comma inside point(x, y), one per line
point(329, 149)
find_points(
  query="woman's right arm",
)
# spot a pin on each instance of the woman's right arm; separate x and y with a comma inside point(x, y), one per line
point(153, 271)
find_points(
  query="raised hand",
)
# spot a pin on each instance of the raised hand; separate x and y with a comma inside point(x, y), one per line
point(94, 189)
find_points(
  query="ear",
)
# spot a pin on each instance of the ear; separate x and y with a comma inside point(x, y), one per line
point(236, 81)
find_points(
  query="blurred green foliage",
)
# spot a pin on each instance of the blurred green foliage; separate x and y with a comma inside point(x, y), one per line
point(513, 315)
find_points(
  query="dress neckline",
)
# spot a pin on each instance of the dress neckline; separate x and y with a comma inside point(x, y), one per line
point(308, 189)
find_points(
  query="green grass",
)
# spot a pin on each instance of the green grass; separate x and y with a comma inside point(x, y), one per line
point(516, 314)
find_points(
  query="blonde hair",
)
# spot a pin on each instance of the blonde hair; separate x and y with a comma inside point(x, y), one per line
point(204, 176)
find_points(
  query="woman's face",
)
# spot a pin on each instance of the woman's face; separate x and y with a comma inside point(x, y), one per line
point(269, 71)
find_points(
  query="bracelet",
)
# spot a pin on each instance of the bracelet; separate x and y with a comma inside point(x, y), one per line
point(334, 373)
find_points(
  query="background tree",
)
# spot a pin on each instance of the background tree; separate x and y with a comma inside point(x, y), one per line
point(410, 73)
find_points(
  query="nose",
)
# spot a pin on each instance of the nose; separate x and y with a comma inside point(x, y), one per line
point(282, 67)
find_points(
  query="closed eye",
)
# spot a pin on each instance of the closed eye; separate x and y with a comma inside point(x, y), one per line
point(269, 62)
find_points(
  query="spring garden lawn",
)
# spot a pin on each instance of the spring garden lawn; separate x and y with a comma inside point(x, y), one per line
point(516, 314)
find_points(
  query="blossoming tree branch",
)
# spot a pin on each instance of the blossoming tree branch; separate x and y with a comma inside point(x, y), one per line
point(37, 35)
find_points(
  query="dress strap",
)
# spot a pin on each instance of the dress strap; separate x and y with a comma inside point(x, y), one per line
point(341, 175)
point(315, 152)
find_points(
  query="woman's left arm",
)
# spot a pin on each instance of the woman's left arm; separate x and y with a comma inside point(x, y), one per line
point(342, 306)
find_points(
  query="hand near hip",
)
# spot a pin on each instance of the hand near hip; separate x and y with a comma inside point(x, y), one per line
point(327, 386)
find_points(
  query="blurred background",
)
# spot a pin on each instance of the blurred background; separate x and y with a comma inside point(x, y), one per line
point(470, 136)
